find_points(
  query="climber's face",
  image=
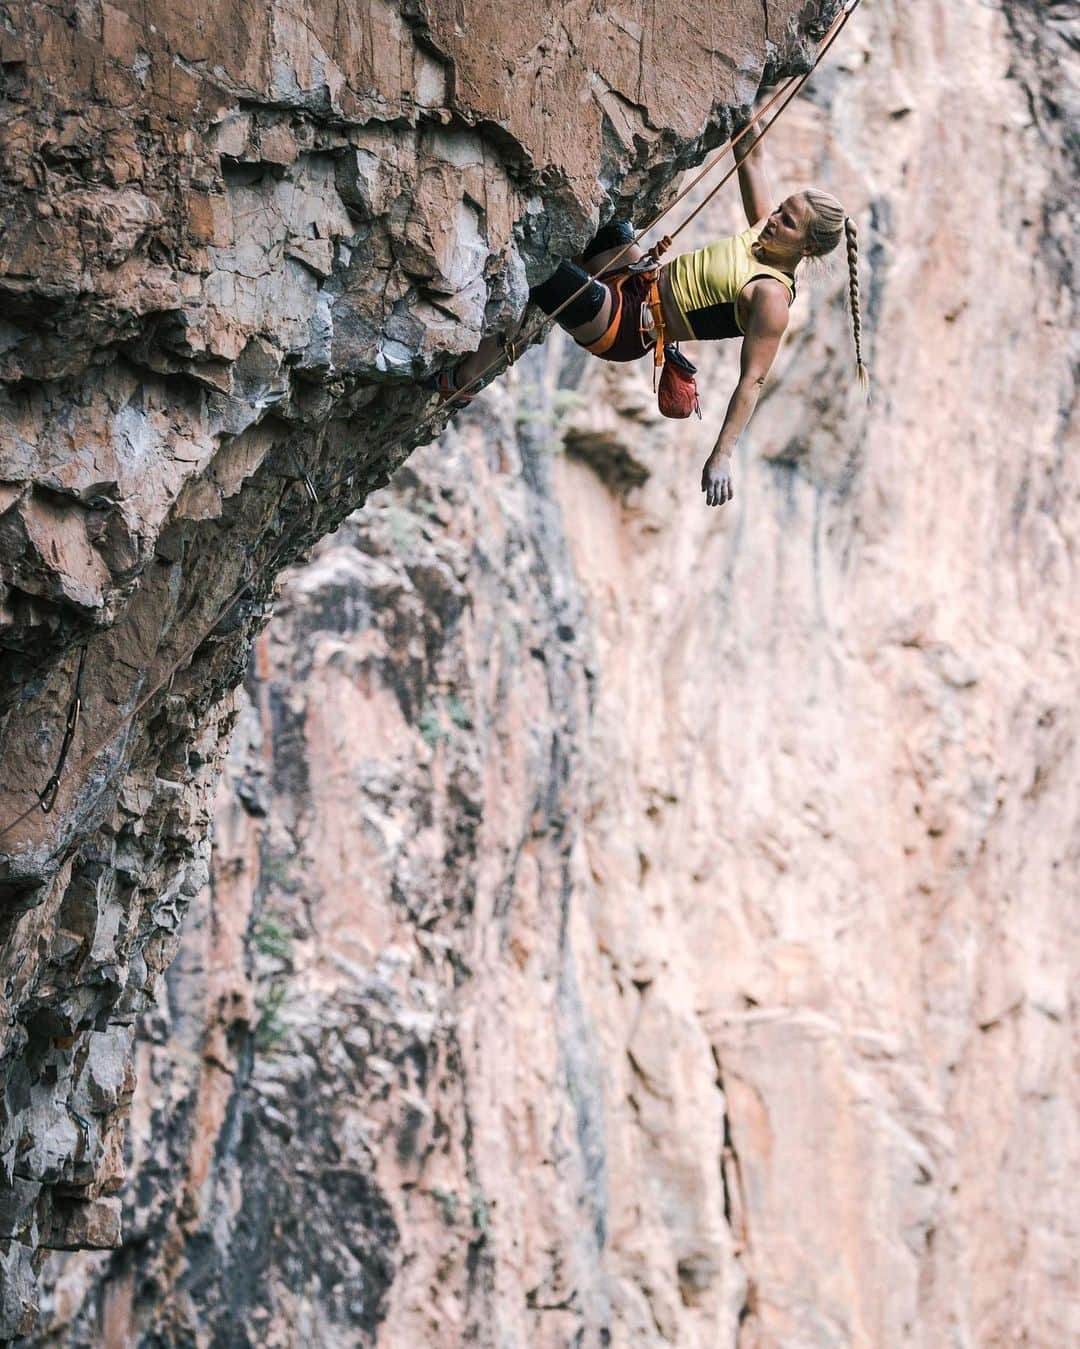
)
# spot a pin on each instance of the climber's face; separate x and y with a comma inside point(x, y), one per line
point(786, 229)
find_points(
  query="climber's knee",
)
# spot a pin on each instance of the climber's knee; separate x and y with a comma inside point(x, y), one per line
point(615, 234)
point(565, 282)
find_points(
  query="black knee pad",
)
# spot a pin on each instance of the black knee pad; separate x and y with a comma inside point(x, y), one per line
point(564, 282)
point(614, 234)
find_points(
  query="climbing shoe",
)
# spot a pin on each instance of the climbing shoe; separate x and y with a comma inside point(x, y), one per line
point(445, 385)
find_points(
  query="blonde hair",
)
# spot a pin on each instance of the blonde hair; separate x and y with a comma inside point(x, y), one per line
point(828, 224)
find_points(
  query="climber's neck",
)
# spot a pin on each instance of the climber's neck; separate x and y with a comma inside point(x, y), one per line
point(781, 260)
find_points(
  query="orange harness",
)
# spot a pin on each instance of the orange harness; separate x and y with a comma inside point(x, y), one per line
point(673, 374)
point(653, 306)
point(651, 321)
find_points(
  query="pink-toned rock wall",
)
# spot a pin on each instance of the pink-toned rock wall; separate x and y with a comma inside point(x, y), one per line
point(641, 925)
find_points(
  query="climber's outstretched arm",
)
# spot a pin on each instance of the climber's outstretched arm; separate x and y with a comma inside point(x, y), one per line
point(758, 200)
point(768, 320)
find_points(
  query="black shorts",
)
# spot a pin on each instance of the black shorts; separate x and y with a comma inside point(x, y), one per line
point(623, 339)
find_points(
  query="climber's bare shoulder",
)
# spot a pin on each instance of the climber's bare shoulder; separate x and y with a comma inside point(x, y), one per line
point(764, 305)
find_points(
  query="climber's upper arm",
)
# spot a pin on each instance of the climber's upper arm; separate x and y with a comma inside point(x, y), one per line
point(767, 323)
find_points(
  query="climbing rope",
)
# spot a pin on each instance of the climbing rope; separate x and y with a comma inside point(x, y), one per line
point(46, 798)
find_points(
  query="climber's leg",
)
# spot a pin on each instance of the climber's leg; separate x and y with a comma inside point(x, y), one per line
point(585, 317)
point(580, 305)
point(589, 305)
point(614, 243)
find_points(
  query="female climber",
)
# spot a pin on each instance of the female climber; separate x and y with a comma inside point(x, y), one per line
point(737, 287)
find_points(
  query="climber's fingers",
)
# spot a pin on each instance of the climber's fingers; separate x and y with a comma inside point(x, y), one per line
point(716, 479)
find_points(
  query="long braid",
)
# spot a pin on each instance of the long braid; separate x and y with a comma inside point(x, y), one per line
point(856, 316)
point(828, 224)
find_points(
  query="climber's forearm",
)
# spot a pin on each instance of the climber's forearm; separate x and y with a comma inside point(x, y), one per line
point(748, 145)
point(716, 476)
point(739, 411)
point(754, 184)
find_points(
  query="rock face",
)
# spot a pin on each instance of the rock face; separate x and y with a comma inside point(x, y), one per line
point(633, 924)
point(233, 240)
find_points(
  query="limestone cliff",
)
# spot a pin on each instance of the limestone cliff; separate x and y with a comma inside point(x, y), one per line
point(632, 924)
point(234, 238)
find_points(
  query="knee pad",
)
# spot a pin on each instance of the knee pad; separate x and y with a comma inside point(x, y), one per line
point(614, 234)
point(564, 282)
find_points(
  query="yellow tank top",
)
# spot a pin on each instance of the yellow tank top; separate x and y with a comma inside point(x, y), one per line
point(707, 283)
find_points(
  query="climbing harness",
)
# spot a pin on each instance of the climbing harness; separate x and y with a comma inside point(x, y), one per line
point(629, 336)
point(674, 380)
point(623, 339)
point(46, 798)
point(652, 320)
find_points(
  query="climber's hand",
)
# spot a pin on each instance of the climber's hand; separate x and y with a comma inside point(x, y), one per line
point(716, 479)
point(764, 94)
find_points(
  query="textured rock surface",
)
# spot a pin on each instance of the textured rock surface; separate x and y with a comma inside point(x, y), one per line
point(233, 239)
point(328, 1025)
point(641, 925)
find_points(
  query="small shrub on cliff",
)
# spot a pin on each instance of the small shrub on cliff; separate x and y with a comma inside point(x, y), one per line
point(270, 1028)
point(430, 726)
point(458, 713)
point(273, 939)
